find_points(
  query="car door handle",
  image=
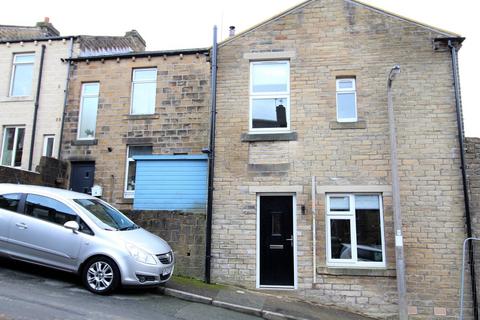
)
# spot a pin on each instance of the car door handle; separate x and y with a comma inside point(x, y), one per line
point(22, 226)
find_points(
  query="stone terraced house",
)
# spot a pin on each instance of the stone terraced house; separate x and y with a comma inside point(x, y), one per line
point(135, 126)
point(33, 84)
point(303, 192)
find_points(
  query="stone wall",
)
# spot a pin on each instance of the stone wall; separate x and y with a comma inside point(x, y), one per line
point(50, 172)
point(179, 125)
point(472, 158)
point(324, 40)
point(184, 232)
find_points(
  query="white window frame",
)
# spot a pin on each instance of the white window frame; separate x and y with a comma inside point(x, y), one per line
point(269, 95)
point(83, 96)
point(343, 90)
point(45, 145)
point(129, 194)
point(14, 65)
point(15, 140)
point(143, 81)
point(350, 215)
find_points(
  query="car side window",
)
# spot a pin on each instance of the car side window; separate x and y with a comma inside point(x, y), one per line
point(48, 209)
point(85, 228)
point(10, 201)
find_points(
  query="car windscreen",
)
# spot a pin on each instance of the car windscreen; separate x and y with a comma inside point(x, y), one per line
point(105, 216)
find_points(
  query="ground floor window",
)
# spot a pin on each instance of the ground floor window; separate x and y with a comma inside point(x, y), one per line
point(130, 170)
point(48, 143)
point(355, 233)
point(12, 146)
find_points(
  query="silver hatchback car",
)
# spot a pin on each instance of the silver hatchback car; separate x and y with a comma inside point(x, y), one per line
point(79, 233)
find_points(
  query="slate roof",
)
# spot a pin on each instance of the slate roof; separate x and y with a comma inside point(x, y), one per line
point(41, 30)
point(107, 45)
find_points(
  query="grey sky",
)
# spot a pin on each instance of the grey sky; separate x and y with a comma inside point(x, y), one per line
point(188, 23)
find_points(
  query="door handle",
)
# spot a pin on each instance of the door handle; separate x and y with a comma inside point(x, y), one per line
point(291, 241)
point(22, 226)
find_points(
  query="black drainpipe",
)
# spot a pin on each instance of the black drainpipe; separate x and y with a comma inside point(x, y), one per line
point(211, 158)
point(65, 100)
point(458, 104)
point(35, 110)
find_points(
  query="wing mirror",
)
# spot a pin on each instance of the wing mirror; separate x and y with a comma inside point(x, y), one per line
point(72, 225)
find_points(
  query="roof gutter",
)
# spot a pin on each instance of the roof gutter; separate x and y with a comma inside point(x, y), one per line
point(143, 54)
point(38, 39)
point(461, 139)
point(211, 158)
point(37, 104)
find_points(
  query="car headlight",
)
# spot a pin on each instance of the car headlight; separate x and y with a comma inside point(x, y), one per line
point(140, 255)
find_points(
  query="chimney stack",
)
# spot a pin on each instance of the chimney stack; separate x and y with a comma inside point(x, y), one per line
point(232, 31)
point(138, 42)
point(47, 28)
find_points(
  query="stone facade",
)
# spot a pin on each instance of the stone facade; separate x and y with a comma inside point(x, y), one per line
point(472, 159)
point(179, 124)
point(325, 40)
point(18, 111)
point(184, 232)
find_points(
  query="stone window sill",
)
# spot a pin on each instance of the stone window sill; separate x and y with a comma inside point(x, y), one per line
point(141, 116)
point(16, 99)
point(360, 124)
point(91, 142)
point(126, 201)
point(254, 137)
point(386, 273)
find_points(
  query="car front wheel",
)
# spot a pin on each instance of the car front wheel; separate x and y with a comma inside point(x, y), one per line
point(100, 275)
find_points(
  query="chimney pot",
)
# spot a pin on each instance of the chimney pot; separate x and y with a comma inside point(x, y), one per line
point(232, 31)
point(46, 20)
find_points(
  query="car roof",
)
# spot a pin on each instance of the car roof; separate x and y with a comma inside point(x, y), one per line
point(47, 191)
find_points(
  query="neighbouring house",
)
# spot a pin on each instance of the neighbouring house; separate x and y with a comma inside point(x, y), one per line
point(302, 133)
point(135, 126)
point(33, 74)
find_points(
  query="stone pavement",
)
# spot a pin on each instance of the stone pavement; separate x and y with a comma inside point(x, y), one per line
point(262, 304)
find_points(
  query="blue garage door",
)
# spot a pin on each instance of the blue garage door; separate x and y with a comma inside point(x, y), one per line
point(171, 183)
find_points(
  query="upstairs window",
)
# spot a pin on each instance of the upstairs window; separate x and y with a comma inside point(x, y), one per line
point(88, 111)
point(12, 147)
point(269, 96)
point(144, 90)
point(22, 75)
point(355, 236)
point(346, 100)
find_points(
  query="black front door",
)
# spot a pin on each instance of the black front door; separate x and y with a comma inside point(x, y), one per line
point(276, 241)
point(81, 177)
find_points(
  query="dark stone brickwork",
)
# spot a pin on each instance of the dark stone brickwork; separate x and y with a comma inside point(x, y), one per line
point(185, 232)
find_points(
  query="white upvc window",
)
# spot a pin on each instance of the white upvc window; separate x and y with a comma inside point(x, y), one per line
point(48, 145)
point(346, 100)
point(131, 168)
point(144, 91)
point(354, 230)
point(87, 120)
point(269, 96)
point(22, 75)
point(12, 146)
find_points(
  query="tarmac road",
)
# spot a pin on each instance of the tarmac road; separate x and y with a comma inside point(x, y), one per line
point(32, 292)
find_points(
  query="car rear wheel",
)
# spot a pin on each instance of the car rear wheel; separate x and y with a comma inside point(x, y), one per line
point(100, 275)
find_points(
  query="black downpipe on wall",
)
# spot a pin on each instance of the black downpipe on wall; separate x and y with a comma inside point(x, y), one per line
point(461, 138)
point(35, 110)
point(211, 157)
point(65, 100)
